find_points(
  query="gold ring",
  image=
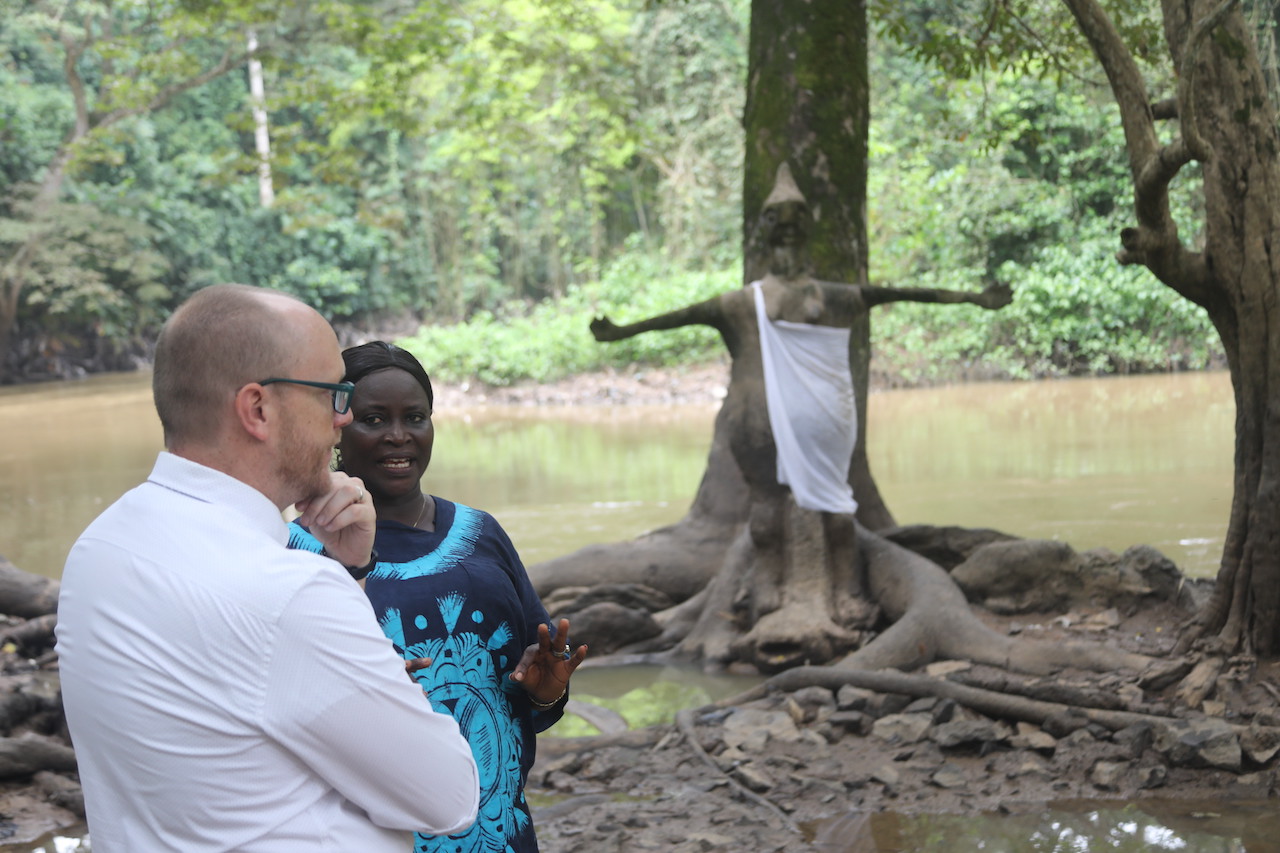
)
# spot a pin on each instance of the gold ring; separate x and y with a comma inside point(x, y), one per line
point(359, 496)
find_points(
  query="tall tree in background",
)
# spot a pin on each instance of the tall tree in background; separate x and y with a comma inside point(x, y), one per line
point(1226, 123)
point(1190, 79)
point(261, 123)
point(119, 62)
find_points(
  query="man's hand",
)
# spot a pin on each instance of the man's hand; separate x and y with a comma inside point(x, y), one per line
point(343, 519)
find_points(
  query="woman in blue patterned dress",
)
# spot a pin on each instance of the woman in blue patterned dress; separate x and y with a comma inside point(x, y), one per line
point(447, 585)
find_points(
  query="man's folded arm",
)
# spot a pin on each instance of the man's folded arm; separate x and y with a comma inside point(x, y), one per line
point(340, 699)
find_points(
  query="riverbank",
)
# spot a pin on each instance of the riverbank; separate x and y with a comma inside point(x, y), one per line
point(704, 383)
point(638, 386)
point(820, 769)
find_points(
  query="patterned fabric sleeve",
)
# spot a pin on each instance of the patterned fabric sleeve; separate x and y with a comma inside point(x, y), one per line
point(301, 539)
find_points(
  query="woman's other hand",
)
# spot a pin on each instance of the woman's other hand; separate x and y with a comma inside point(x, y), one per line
point(546, 666)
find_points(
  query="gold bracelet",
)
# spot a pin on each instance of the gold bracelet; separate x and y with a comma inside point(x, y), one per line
point(542, 706)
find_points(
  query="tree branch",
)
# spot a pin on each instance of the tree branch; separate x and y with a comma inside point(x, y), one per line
point(1124, 76)
point(1001, 705)
point(1154, 243)
point(168, 93)
point(1196, 144)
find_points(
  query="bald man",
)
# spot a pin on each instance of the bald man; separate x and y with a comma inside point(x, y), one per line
point(224, 692)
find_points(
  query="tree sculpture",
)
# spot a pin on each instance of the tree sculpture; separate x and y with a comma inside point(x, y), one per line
point(807, 102)
point(792, 578)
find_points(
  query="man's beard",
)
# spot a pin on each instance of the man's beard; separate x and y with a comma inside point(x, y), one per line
point(304, 468)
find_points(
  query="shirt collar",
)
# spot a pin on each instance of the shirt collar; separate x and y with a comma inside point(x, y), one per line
point(211, 486)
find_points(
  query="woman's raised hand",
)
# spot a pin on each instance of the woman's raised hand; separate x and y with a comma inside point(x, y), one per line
point(546, 666)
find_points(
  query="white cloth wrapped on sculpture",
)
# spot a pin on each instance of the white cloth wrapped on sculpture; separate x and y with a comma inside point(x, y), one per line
point(812, 412)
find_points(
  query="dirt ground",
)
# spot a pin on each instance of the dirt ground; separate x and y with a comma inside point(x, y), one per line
point(654, 791)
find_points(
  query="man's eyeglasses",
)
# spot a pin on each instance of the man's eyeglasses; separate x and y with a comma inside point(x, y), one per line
point(341, 391)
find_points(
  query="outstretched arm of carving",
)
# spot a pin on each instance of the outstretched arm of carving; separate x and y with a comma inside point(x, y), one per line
point(707, 313)
point(995, 296)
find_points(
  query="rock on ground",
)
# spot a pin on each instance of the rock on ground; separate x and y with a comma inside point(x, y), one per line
point(778, 773)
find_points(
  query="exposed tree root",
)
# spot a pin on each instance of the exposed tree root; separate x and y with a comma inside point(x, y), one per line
point(34, 633)
point(929, 615)
point(23, 696)
point(29, 753)
point(932, 620)
point(61, 791)
point(679, 560)
point(1000, 705)
point(25, 594)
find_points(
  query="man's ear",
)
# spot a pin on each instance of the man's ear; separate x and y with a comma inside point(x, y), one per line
point(255, 412)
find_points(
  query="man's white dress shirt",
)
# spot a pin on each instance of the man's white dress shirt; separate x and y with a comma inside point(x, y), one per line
point(226, 693)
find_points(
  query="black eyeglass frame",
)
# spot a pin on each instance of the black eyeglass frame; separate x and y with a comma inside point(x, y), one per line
point(346, 389)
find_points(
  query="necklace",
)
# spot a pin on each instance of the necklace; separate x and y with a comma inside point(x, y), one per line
point(422, 511)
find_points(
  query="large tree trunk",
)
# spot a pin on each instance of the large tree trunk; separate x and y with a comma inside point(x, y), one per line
point(1232, 111)
point(1228, 125)
point(261, 126)
point(807, 104)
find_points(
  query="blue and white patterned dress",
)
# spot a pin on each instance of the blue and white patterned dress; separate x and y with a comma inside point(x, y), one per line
point(461, 596)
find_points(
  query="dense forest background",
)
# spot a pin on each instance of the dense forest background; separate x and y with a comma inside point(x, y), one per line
point(487, 175)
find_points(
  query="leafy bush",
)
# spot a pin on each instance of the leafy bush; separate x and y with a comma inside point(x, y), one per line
point(1074, 312)
point(553, 338)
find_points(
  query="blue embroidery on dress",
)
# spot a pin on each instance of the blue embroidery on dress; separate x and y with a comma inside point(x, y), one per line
point(393, 626)
point(302, 540)
point(462, 682)
point(459, 543)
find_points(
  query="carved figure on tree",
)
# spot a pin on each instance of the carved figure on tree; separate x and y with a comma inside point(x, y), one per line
point(795, 584)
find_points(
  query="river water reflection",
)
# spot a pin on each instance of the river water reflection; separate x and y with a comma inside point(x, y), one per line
point(1094, 462)
point(1110, 463)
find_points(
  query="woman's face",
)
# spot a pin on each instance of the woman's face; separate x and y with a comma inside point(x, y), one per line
point(388, 442)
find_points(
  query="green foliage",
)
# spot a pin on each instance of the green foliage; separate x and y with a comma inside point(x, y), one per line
point(31, 126)
point(1029, 38)
point(514, 135)
point(552, 339)
point(95, 270)
point(1075, 312)
point(1037, 205)
point(691, 87)
point(507, 169)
